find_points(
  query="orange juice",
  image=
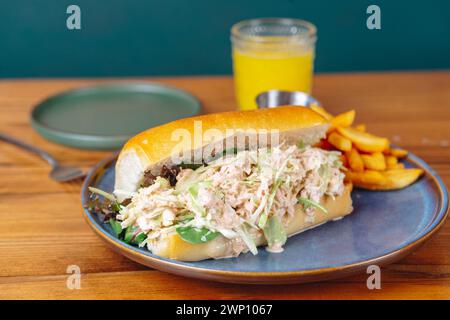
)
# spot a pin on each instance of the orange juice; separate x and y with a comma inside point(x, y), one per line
point(271, 53)
point(262, 71)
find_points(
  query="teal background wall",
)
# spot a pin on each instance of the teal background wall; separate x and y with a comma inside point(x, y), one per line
point(181, 37)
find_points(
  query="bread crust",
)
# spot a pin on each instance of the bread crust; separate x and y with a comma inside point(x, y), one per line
point(173, 247)
point(155, 147)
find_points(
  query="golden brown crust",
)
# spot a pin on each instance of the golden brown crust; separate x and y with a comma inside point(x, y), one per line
point(173, 247)
point(157, 145)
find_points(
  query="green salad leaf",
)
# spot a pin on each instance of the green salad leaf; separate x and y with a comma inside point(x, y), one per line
point(307, 203)
point(196, 235)
point(129, 234)
point(115, 225)
point(139, 238)
point(133, 236)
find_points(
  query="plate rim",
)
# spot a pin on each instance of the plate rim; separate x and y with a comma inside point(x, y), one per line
point(75, 139)
point(268, 277)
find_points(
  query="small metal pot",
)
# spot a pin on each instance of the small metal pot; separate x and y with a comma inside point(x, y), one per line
point(276, 98)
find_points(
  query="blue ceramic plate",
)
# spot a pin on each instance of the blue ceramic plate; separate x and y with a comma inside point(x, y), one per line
point(384, 227)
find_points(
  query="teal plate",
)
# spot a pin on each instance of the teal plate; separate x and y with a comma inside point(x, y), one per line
point(384, 227)
point(104, 117)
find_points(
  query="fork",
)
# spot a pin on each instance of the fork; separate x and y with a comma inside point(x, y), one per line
point(58, 173)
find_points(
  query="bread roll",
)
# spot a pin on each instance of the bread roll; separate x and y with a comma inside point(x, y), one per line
point(155, 147)
point(209, 135)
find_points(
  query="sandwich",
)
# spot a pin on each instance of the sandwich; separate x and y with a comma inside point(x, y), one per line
point(216, 186)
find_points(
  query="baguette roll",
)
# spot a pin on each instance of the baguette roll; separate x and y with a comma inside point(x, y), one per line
point(204, 137)
point(159, 146)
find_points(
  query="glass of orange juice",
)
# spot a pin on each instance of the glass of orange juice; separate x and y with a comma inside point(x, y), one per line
point(271, 53)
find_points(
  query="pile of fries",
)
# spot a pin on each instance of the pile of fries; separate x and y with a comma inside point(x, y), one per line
point(370, 161)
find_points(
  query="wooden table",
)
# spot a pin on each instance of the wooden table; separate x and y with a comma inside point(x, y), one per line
point(42, 230)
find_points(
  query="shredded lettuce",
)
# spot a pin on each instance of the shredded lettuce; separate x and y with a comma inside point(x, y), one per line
point(243, 233)
point(274, 232)
point(265, 215)
point(337, 164)
point(162, 181)
point(115, 205)
point(324, 171)
point(102, 193)
point(301, 144)
point(193, 178)
point(193, 194)
point(227, 233)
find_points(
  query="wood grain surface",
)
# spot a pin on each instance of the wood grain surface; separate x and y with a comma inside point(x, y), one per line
point(42, 230)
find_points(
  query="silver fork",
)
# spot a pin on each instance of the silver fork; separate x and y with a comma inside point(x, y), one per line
point(59, 173)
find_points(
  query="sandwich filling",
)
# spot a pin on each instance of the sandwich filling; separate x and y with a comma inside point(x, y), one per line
point(239, 196)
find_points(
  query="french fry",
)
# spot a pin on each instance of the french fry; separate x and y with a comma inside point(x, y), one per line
point(398, 153)
point(321, 111)
point(344, 119)
point(391, 162)
point(364, 141)
point(400, 166)
point(339, 142)
point(374, 161)
point(385, 180)
point(355, 161)
point(401, 178)
point(369, 161)
point(368, 179)
point(361, 127)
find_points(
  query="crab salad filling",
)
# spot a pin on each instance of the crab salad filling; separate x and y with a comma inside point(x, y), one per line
point(241, 196)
